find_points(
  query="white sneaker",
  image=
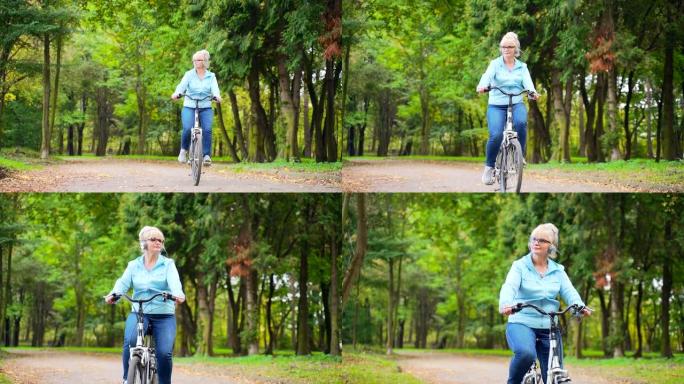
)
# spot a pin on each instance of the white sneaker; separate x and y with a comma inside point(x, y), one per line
point(488, 176)
point(183, 156)
point(206, 160)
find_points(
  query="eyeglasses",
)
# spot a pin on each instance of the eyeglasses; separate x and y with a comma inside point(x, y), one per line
point(199, 60)
point(508, 47)
point(154, 239)
point(540, 241)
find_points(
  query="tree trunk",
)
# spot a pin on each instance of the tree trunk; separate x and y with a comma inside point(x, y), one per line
point(45, 142)
point(141, 98)
point(669, 138)
point(334, 298)
point(303, 331)
point(628, 101)
point(258, 136)
point(55, 91)
point(230, 144)
point(307, 126)
point(205, 324)
point(612, 106)
point(332, 73)
point(239, 137)
point(361, 245)
point(605, 323)
point(541, 138)
point(560, 117)
point(269, 316)
point(289, 109)
point(665, 293)
point(390, 307)
point(252, 319)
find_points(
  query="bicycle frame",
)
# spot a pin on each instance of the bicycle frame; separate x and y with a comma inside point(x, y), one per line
point(510, 138)
point(195, 159)
point(555, 374)
point(143, 348)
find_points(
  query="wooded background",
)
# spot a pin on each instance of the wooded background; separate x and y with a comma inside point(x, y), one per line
point(79, 76)
point(609, 71)
point(306, 272)
point(103, 72)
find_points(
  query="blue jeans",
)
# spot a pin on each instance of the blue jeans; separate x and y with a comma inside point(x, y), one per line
point(164, 333)
point(496, 122)
point(206, 116)
point(528, 344)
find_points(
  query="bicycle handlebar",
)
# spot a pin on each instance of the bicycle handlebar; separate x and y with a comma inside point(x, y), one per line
point(489, 88)
point(211, 97)
point(165, 295)
point(576, 309)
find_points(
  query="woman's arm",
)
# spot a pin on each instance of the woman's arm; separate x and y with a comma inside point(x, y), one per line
point(509, 289)
point(173, 280)
point(568, 292)
point(527, 80)
point(215, 89)
point(181, 87)
point(487, 78)
point(122, 285)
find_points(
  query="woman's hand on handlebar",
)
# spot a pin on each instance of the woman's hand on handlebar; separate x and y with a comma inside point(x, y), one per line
point(586, 311)
point(112, 298)
point(482, 89)
point(534, 96)
point(218, 99)
point(175, 96)
point(508, 310)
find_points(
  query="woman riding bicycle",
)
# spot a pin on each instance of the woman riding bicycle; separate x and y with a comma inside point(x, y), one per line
point(512, 75)
point(147, 275)
point(536, 279)
point(197, 83)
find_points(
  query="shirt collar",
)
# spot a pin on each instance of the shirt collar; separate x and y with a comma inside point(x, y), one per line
point(553, 266)
point(160, 261)
point(517, 64)
point(207, 75)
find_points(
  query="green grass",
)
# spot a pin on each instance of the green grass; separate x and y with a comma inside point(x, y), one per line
point(19, 159)
point(463, 351)
point(116, 350)
point(646, 370)
point(3, 378)
point(306, 165)
point(317, 368)
point(466, 159)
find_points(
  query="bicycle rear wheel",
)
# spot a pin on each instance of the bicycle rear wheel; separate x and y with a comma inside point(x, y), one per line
point(196, 158)
point(136, 372)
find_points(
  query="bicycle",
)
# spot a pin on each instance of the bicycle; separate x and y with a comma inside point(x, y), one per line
point(195, 153)
point(555, 374)
point(142, 364)
point(508, 168)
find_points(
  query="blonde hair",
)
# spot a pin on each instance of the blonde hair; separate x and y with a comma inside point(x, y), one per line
point(205, 56)
point(147, 232)
point(514, 37)
point(552, 232)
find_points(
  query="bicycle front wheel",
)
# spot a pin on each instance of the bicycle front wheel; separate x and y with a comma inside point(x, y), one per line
point(500, 167)
point(136, 372)
point(196, 158)
point(515, 165)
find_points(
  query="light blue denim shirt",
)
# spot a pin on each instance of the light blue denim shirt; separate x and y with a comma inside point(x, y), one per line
point(524, 285)
point(162, 278)
point(198, 88)
point(511, 80)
